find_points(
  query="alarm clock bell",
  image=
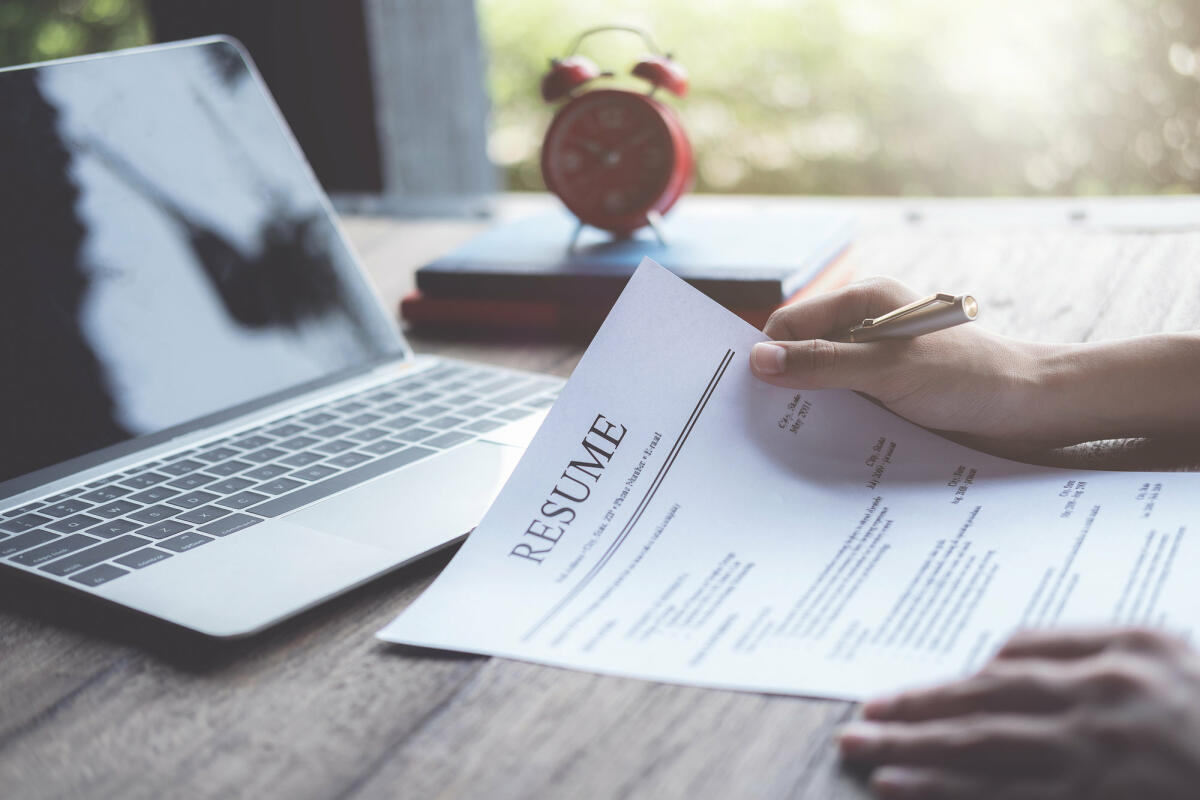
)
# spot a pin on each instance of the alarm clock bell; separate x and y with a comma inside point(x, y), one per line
point(617, 159)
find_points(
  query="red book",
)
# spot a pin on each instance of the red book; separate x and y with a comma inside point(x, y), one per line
point(483, 315)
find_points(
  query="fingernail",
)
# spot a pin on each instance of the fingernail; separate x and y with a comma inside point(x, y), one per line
point(768, 358)
point(858, 738)
point(890, 779)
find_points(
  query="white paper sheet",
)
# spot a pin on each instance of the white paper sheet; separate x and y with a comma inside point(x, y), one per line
point(676, 519)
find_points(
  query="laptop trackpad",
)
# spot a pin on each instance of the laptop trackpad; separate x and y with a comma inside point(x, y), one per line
point(420, 507)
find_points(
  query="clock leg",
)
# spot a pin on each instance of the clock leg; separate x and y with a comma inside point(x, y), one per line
point(655, 221)
point(575, 237)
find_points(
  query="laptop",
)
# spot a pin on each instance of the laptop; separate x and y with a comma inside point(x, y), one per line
point(207, 415)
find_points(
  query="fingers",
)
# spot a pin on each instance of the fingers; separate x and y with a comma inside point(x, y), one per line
point(931, 783)
point(1071, 644)
point(834, 312)
point(1023, 686)
point(820, 364)
point(986, 743)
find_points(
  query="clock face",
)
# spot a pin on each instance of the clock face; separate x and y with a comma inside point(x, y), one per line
point(612, 156)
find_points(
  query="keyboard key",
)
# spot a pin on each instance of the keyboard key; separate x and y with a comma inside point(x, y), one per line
point(192, 499)
point(463, 399)
point(336, 483)
point(230, 485)
point(203, 514)
point(429, 412)
point(154, 513)
point(230, 524)
point(65, 507)
point(446, 422)
point(266, 472)
point(336, 446)
point(401, 422)
point(154, 494)
point(369, 434)
point(251, 442)
point(220, 454)
point(366, 418)
point(118, 509)
point(25, 541)
point(25, 509)
point(477, 410)
point(142, 480)
point(94, 555)
point(450, 439)
point(73, 524)
point(283, 431)
point(425, 397)
point(318, 419)
point(105, 494)
point(185, 541)
point(229, 467)
point(349, 459)
point(382, 447)
point(98, 575)
point(161, 530)
point(58, 498)
point(55, 549)
point(180, 467)
point(241, 500)
point(301, 459)
point(142, 558)
point(298, 442)
point(542, 402)
point(497, 385)
point(23, 523)
point(484, 425)
point(379, 397)
point(415, 434)
point(314, 473)
point(113, 527)
point(281, 485)
point(350, 408)
point(192, 481)
point(396, 407)
point(511, 414)
point(266, 454)
point(454, 386)
point(330, 431)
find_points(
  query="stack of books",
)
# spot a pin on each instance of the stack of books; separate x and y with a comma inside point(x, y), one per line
point(527, 276)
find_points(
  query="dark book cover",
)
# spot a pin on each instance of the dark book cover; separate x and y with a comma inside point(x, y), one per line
point(566, 319)
point(754, 258)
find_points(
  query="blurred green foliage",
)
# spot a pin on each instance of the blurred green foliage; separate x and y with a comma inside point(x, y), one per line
point(37, 30)
point(946, 97)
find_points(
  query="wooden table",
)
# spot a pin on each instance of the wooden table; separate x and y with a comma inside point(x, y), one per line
point(97, 702)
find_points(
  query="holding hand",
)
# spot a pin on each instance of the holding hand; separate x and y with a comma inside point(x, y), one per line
point(1003, 393)
point(1056, 715)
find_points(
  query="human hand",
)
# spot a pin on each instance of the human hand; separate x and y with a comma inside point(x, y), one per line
point(1088, 715)
point(964, 379)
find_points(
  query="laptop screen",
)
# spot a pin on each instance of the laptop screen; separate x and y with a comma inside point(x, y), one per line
point(165, 254)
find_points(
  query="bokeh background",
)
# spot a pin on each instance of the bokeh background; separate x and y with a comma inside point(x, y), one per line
point(908, 97)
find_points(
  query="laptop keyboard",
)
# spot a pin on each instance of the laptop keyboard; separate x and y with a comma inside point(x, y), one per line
point(131, 520)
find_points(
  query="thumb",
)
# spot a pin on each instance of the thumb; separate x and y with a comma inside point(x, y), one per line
point(820, 364)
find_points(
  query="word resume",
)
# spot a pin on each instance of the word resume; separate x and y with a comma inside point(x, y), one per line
point(676, 519)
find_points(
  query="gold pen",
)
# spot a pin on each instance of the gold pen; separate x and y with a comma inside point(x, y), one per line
point(934, 313)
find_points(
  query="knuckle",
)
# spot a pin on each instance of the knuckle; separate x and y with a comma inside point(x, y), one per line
point(1116, 680)
point(821, 355)
point(1146, 640)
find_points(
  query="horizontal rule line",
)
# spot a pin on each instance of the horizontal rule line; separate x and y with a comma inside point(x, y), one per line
point(646, 498)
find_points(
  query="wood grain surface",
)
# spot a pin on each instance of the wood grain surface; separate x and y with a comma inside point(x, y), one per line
point(99, 702)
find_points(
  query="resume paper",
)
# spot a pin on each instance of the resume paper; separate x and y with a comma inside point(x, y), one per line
point(676, 519)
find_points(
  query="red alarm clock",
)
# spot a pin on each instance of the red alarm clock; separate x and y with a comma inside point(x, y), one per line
point(617, 159)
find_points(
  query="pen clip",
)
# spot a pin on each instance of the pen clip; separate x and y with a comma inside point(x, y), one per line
point(911, 308)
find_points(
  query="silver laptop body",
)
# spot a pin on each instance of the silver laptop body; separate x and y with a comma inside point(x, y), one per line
point(207, 415)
